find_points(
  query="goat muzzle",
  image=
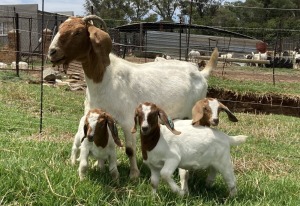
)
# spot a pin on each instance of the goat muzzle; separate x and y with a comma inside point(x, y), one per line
point(90, 138)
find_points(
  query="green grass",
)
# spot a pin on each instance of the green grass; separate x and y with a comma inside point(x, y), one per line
point(35, 168)
point(259, 88)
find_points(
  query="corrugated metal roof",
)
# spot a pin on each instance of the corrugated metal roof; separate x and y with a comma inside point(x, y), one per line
point(159, 26)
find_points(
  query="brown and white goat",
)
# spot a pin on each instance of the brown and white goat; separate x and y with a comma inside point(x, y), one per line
point(191, 148)
point(206, 112)
point(94, 138)
point(117, 85)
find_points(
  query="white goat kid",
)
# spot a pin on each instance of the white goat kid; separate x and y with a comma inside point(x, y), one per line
point(117, 85)
point(195, 148)
point(225, 57)
point(259, 56)
point(194, 55)
point(94, 138)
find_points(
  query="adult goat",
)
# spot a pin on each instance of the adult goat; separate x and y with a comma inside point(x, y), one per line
point(117, 86)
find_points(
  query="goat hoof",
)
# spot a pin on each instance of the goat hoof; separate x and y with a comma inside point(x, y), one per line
point(134, 174)
point(233, 192)
point(181, 193)
point(81, 177)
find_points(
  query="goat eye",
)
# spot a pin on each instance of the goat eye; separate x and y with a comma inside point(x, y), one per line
point(77, 33)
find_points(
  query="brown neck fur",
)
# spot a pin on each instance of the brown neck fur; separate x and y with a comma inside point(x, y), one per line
point(204, 122)
point(101, 136)
point(95, 66)
point(149, 141)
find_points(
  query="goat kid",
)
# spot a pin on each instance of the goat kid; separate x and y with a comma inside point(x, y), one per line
point(117, 85)
point(93, 138)
point(195, 148)
point(206, 112)
point(225, 57)
point(259, 56)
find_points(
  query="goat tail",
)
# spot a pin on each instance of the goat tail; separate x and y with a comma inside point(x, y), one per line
point(236, 140)
point(212, 63)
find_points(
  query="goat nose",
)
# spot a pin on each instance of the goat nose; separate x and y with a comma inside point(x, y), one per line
point(52, 52)
point(90, 138)
point(144, 129)
point(216, 121)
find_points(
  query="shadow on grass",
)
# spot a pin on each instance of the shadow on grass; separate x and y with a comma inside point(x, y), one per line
point(218, 193)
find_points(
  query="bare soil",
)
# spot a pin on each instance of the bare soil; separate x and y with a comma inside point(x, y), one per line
point(253, 103)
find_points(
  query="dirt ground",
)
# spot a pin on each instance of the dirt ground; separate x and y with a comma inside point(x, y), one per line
point(266, 104)
point(233, 73)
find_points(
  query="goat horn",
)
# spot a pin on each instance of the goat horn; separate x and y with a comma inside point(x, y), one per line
point(96, 18)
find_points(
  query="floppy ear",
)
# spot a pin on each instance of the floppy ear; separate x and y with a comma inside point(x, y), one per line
point(85, 127)
point(230, 115)
point(197, 113)
point(113, 129)
point(101, 43)
point(133, 130)
point(167, 121)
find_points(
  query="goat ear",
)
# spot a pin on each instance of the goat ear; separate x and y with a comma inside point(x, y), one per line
point(101, 43)
point(84, 131)
point(197, 113)
point(114, 130)
point(167, 121)
point(85, 128)
point(133, 130)
point(230, 115)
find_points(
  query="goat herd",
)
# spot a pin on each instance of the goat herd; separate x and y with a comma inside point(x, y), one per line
point(132, 95)
point(288, 59)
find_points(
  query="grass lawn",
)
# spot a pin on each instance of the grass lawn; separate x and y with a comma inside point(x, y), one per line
point(35, 168)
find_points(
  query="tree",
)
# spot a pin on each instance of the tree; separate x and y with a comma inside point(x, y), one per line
point(140, 10)
point(165, 8)
point(114, 12)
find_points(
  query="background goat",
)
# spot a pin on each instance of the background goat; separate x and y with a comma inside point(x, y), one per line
point(93, 138)
point(117, 85)
point(225, 57)
point(260, 56)
point(191, 148)
point(296, 60)
point(194, 55)
point(22, 65)
point(3, 65)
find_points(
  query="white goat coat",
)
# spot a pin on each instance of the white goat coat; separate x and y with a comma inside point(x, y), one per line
point(89, 148)
point(172, 84)
point(195, 148)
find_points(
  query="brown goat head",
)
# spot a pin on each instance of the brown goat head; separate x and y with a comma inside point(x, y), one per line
point(146, 115)
point(95, 128)
point(206, 112)
point(80, 40)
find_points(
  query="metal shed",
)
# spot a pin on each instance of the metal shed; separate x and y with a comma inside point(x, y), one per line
point(174, 39)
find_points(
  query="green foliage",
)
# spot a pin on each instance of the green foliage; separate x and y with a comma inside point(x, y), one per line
point(250, 17)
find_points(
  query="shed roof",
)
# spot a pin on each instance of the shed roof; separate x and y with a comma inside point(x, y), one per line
point(159, 26)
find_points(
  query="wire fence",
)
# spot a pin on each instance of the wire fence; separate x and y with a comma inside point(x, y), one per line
point(21, 40)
